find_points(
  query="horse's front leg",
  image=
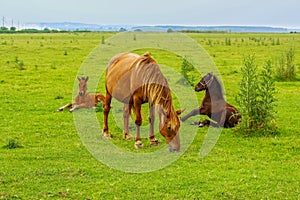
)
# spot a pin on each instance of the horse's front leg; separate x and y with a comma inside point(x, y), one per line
point(81, 105)
point(74, 107)
point(69, 105)
point(194, 112)
point(153, 140)
point(220, 118)
point(138, 122)
point(126, 114)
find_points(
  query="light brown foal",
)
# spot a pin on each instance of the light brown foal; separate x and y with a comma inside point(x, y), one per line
point(83, 100)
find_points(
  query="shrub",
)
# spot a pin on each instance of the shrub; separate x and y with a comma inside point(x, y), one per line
point(285, 66)
point(266, 94)
point(19, 64)
point(290, 66)
point(186, 69)
point(13, 144)
point(99, 107)
point(256, 99)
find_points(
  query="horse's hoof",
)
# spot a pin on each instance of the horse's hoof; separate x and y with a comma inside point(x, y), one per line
point(154, 142)
point(195, 123)
point(106, 135)
point(127, 136)
point(138, 144)
point(201, 125)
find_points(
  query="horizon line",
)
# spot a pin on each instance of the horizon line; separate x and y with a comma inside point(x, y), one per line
point(162, 24)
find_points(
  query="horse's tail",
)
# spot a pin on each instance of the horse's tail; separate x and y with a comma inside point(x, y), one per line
point(100, 98)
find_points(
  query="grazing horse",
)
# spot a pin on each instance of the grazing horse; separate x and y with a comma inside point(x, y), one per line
point(214, 105)
point(134, 80)
point(83, 100)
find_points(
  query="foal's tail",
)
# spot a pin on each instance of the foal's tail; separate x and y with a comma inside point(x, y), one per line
point(100, 98)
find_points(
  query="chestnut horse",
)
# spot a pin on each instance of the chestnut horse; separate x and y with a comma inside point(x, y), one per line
point(83, 100)
point(214, 105)
point(134, 80)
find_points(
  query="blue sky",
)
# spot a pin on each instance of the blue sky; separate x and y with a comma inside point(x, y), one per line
point(283, 13)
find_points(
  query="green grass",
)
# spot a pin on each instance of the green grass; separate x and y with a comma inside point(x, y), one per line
point(54, 164)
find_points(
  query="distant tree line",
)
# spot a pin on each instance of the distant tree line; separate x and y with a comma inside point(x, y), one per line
point(32, 30)
point(204, 31)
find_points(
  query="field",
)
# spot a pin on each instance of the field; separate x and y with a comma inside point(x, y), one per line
point(50, 161)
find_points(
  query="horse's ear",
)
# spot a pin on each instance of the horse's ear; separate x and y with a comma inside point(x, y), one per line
point(87, 78)
point(78, 78)
point(178, 112)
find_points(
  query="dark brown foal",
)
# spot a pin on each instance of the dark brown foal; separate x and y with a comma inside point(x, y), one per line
point(214, 105)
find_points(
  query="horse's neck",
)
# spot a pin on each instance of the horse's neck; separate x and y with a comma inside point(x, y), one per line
point(214, 94)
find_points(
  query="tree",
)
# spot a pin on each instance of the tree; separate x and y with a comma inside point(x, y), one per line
point(13, 28)
point(3, 28)
point(170, 30)
point(122, 30)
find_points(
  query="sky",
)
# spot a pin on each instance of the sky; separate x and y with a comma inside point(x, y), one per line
point(277, 13)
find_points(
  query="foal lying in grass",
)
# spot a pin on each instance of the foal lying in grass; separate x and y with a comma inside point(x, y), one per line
point(83, 100)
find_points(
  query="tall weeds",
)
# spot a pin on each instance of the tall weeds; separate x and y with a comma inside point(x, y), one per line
point(256, 99)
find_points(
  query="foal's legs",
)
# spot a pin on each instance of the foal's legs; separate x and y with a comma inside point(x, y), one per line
point(126, 114)
point(153, 140)
point(69, 105)
point(192, 113)
point(106, 112)
point(219, 118)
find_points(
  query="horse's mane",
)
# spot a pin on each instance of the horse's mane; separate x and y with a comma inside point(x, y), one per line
point(216, 87)
point(155, 86)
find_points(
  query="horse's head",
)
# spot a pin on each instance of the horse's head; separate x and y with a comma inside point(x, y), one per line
point(82, 85)
point(169, 128)
point(204, 82)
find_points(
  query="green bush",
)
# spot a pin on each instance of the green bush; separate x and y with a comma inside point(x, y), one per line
point(256, 99)
point(13, 144)
point(285, 66)
point(186, 69)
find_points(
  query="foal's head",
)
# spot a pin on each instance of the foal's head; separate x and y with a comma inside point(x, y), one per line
point(204, 82)
point(82, 85)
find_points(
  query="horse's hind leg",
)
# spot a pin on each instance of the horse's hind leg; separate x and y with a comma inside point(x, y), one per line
point(126, 114)
point(106, 112)
point(69, 105)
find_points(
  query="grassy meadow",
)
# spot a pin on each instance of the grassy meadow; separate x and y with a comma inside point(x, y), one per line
point(42, 156)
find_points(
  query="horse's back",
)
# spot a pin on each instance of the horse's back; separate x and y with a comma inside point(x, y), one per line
point(118, 76)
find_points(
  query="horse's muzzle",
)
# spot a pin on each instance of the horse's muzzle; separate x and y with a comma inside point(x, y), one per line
point(173, 150)
point(174, 145)
point(199, 88)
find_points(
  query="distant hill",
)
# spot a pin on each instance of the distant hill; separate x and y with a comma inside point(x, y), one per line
point(214, 28)
point(70, 26)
